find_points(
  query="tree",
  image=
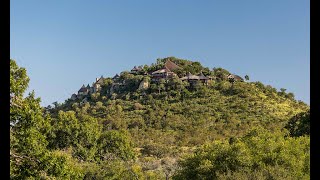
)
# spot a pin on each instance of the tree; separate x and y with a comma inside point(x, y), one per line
point(290, 96)
point(246, 77)
point(107, 82)
point(56, 104)
point(258, 151)
point(66, 130)
point(29, 156)
point(282, 92)
point(220, 73)
point(27, 143)
point(18, 80)
point(299, 124)
point(88, 135)
point(115, 143)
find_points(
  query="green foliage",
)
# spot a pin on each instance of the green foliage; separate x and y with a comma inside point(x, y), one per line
point(299, 124)
point(107, 81)
point(117, 143)
point(63, 167)
point(29, 156)
point(220, 73)
point(18, 79)
point(89, 133)
point(28, 127)
point(113, 135)
point(66, 130)
point(260, 151)
point(115, 169)
point(152, 149)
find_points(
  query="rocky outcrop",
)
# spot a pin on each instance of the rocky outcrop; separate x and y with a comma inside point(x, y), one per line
point(144, 85)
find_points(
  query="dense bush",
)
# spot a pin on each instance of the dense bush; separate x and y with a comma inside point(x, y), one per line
point(258, 154)
point(299, 124)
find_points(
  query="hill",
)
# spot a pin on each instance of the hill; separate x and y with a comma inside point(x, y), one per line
point(141, 123)
point(188, 113)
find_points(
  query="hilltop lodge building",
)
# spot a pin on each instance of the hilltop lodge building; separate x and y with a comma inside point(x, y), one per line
point(166, 72)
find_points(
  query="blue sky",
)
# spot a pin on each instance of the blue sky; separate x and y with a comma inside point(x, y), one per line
point(64, 44)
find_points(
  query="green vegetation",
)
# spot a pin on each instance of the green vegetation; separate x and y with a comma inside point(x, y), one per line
point(299, 124)
point(257, 155)
point(169, 130)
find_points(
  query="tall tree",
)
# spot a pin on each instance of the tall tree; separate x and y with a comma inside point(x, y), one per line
point(29, 156)
point(27, 142)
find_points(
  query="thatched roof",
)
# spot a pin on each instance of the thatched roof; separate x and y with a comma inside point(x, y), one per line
point(203, 77)
point(238, 78)
point(83, 89)
point(116, 76)
point(99, 81)
point(170, 65)
point(135, 68)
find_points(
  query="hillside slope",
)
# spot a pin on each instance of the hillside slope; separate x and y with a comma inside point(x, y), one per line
point(172, 119)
